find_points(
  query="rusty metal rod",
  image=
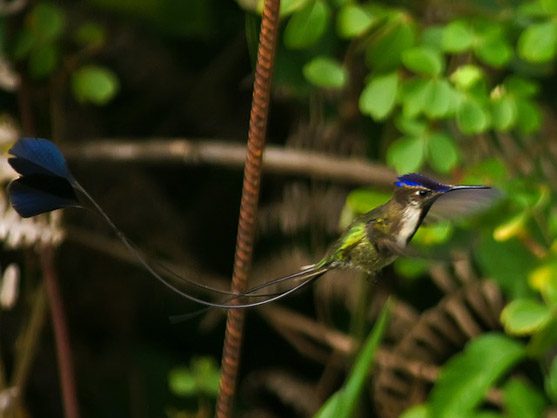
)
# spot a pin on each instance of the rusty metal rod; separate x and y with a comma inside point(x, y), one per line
point(248, 205)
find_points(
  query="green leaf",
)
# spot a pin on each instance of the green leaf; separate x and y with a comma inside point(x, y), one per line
point(46, 22)
point(505, 262)
point(383, 53)
point(24, 43)
point(358, 202)
point(549, 6)
point(538, 42)
point(471, 117)
point(433, 234)
point(90, 34)
point(406, 154)
point(94, 84)
point(521, 87)
point(307, 26)
point(423, 60)
point(551, 381)
point(496, 53)
point(201, 378)
point(522, 400)
point(524, 316)
point(466, 378)
point(544, 280)
point(488, 171)
point(353, 20)
point(207, 375)
point(43, 61)
point(415, 95)
point(343, 403)
point(442, 99)
point(458, 36)
point(411, 126)
point(503, 112)
point(442, 152)
point(325, 72)
point(379, 96)
point(411, 267)
point(182, 382)
point(432, 37)
point(361, 201)
point(417, 411)
point(529, 118)
point(287, 7)
point(467, 76)
point(492, 46)
point(544, 340)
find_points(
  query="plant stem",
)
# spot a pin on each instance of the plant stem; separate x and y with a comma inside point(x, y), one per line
point(61, 335)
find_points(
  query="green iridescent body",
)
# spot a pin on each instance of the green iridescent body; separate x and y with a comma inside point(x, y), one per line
point(371, 241)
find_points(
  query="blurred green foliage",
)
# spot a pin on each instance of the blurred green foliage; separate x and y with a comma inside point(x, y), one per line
point(431, 92)
point(41, 44)
point(442, 86)
point(343, 403)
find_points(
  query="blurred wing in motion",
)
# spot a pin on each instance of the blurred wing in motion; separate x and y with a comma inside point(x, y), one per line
point(462, 201)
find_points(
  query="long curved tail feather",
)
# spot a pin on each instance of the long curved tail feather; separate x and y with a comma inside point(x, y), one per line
point(307, 276)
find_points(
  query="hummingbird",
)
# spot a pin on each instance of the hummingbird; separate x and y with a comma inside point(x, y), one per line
point(373, 240)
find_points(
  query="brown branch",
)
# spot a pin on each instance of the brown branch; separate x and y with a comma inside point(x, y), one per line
point(289, 322)
point(61, 336)
point(28, 342)
point(286, 161)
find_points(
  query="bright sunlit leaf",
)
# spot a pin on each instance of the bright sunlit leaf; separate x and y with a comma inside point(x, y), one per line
point(306, 26)
point(325, 72)
point(471, 117)
point(457, 36)
point(524, 316)
point(522, 400)
point(379, 96)
point(94, 84)
point(423, 60)
point(466, 378)
point(353, 20)
point(442, 152)
point(406, 154)
point(343, 403)
point(538, 42)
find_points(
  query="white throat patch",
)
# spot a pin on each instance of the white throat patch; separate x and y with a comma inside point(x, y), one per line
point(408, 224)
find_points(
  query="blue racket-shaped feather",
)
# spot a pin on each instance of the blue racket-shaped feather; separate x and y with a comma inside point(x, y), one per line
point(39, 156)
point(45, 184)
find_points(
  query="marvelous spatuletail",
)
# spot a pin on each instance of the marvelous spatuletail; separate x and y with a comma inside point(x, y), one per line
point(370, 243)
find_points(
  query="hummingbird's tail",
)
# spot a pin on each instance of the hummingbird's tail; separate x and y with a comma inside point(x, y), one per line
point(306, 276)
point(234, 300)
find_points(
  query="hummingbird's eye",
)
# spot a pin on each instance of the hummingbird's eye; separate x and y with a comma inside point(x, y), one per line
point(422, 193)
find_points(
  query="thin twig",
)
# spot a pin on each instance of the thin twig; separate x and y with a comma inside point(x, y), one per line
point(287, 161)
point(249, 201)
point(28, 341)
point(292, 322)
point(61, 335)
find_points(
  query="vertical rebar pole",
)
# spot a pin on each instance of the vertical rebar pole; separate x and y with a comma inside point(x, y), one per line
point(248, 205)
